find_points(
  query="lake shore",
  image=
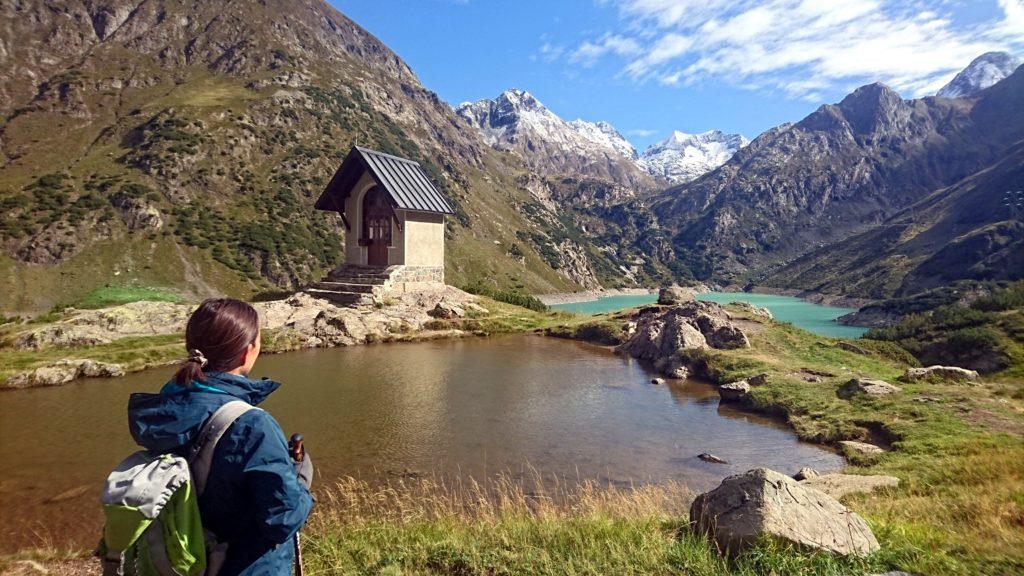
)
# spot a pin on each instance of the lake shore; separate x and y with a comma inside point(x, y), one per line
point(591, 295)
point(136, 336)
point(807, 295)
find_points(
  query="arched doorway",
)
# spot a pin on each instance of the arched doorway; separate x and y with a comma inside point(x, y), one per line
point(376, 232)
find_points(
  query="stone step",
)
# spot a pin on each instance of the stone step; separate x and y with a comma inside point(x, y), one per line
point(341, 298)
point(338, 275)
point(373, 281)
point(338, 286)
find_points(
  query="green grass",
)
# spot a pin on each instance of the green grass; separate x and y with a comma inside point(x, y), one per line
point(428, 527)
point(113, 295)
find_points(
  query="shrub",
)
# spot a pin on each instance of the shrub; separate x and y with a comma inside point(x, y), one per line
point(517, 298)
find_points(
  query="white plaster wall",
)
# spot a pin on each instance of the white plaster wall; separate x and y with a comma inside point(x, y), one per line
point(424, 239)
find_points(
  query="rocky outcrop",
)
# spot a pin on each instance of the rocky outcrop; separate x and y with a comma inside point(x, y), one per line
point(446, 310)
point(839, 485)
point(91, 327)
point(62, 372)
point(663, 336)
point(764, 503)
point(755, 311)
point(671, 295)
point(867, 387)
point(940, 374)
point(299, 321)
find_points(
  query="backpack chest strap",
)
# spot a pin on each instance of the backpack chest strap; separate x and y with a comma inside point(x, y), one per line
point(200, 456)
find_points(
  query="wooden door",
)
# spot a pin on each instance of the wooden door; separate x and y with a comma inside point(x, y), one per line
point(376, 227)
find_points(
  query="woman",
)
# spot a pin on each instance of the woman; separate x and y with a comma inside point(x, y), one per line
point(255, 499)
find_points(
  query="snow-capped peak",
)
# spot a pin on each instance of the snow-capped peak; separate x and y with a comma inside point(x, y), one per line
point(604, 134)
point(982, 72)
point(516, 113)
point(683, 157)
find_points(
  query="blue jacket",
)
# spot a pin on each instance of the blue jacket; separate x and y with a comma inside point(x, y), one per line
point(253, 499)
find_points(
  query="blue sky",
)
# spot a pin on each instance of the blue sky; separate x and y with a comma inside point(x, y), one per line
point(653, 66)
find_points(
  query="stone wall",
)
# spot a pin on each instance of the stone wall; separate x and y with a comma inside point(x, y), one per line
point(406, 279)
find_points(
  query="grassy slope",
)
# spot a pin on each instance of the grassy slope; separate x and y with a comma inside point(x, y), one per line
point(957, 450)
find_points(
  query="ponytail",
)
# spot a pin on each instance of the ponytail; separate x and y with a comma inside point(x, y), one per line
point(217, 336)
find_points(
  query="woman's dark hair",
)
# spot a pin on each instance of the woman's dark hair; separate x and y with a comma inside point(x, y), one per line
point(217, 335)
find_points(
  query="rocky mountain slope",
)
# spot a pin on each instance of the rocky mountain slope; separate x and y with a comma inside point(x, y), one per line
point(685, 157)
point(517, 122)
point(967, 231)
point(982, 72)
point(180, 143)
point(841, 171)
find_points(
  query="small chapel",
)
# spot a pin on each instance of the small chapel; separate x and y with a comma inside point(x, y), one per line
point(394, 219)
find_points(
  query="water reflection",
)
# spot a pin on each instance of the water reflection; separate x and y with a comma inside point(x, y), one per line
point(472, 407)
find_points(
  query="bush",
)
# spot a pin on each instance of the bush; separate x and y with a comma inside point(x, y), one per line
point(1009, 299)
point(517, 298)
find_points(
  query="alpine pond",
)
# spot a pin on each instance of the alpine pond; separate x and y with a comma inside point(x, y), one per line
point(523, 405)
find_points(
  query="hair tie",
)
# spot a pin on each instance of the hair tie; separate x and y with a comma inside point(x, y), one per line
point(197, 357)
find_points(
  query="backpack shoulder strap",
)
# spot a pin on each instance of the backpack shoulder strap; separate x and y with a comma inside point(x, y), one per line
point(201, 455)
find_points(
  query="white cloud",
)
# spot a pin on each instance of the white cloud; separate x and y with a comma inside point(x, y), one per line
point(641, 132)
point(589, 52)
point(801, 48)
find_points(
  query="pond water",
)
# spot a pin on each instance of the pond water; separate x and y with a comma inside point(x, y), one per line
point(807, 315)
point(474, 407)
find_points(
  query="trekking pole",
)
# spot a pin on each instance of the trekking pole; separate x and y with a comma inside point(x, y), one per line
point(298, 453)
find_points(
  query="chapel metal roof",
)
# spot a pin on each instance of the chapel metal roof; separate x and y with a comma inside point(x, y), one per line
point(404, 180)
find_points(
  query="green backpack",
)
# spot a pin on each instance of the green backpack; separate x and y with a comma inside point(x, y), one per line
point(151, 505)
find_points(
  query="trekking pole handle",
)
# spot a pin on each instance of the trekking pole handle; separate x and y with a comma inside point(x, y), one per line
point(296, 447)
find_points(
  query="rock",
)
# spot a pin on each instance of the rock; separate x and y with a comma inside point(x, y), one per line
point(940, 374)
point(673, 367)
point(758, 380)
point(866, 386)
point(62, 372)
point(91, 327)
point(861, 448)
point(851, 347)
point(445, 309)
point(805, 473)
point(711, 458)
point(663, 335)
point(755, 311)
point(671, 295)
point(734, 391)
point(657, 381)
point(764, 503)
point(839, 485)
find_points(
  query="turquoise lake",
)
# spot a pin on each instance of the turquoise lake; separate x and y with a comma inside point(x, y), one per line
point(811, 317)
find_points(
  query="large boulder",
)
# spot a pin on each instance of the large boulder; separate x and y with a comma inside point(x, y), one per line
point(940, 374)
point(764, 503)
point(866, 386)
point(671, 295)
point(663, 335)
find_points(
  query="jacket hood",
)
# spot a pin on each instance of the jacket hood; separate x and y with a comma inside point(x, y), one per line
point(171, 419)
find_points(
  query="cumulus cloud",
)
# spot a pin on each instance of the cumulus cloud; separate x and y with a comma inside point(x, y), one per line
point(801, 47)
